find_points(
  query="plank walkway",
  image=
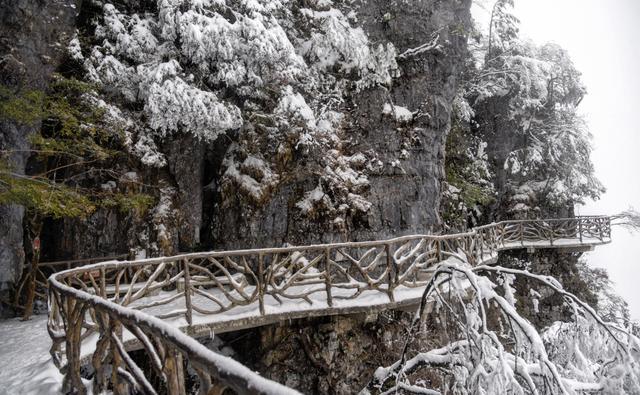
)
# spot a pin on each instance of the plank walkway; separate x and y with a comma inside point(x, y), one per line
point(98, 311)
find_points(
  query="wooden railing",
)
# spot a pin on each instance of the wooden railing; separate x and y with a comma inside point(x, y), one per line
point(110, 303)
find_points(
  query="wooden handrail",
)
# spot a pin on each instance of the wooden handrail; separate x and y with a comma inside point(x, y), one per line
point(80, 305)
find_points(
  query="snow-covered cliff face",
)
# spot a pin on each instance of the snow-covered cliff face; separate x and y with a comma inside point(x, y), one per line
point(360, 159)
point(263, 122)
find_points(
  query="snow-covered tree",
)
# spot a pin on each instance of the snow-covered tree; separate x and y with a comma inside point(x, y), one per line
point(274, 72)
point(491, 348)
point(526, 101)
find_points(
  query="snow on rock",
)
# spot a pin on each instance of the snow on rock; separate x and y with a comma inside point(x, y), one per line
point(146, 149)
point(401, 114)
point(294, 105)
point(74, 49)
point(311, 199)
point(253, 177)
point(334, 42)
point(162, 216)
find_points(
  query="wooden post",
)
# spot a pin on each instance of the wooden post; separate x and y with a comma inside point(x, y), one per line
point(327, 276)
point(391, 273)
point(174, 372)
point(103, 283)
point(100, 378)
point(187, 292)
point(580, 229)
point(206, 386)
point(261, 285)
point(439, 250)
point(119, 385)
point(551, 231)
point(600, 225)
point(521, 233)
point(75, 317)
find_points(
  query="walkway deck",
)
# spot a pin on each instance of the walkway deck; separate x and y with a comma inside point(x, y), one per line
point(107, 305)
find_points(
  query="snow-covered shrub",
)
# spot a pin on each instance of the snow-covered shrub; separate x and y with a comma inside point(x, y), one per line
point(492, 349)
point(526, 98)
point(206, 67)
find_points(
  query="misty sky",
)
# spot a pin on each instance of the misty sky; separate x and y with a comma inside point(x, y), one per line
point(603, 39)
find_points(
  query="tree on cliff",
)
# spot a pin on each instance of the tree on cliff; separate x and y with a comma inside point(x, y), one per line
point(522, 107)
point(74, 150)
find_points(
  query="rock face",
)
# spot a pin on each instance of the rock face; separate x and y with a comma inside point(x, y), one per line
point(408, 154)
point(497, 128)
point(33, 36)
point(325, 356)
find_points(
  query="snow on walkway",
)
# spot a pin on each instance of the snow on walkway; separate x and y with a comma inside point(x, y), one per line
point(25, 364)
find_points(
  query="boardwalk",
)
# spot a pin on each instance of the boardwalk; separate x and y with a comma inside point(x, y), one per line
point(97, 311)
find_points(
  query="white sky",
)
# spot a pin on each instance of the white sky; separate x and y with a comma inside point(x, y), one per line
point(603, 39)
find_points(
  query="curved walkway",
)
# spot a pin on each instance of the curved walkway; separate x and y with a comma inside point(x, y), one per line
point(97, 310)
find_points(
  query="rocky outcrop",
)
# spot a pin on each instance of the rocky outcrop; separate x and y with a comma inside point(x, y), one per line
point(325, 356)
point(33, 36)
point(404, 154)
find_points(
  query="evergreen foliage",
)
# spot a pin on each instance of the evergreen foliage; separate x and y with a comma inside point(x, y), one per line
point(73, 141)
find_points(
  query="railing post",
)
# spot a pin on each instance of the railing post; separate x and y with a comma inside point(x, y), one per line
point(187, 292)
point(600, 225)
point(261, 285)
point(119, 385)
point(468, 249)
point(103, 283)
point(580, 229)
point(75, 312)
point(174, 372)
point(551, 231)
point(521, 233)
point(391, 273)
point(327, 275)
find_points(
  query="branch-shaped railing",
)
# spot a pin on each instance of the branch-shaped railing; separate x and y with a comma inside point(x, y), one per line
point(105, 305)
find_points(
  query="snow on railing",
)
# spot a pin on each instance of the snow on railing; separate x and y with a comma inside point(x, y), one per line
point(108, 304)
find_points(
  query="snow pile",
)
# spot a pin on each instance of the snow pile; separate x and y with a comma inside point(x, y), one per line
point(25, 363)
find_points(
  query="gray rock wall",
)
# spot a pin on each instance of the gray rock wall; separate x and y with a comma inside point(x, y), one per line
point(404, 197)
point(33, 35)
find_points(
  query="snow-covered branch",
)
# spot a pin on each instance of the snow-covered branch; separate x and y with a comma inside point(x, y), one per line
point(495, 349)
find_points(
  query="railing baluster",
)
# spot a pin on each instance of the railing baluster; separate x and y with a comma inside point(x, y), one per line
point(521, 233)
point(391, 273)
point(600, 225)
point(187, 292)
point(174, 371)
point(261, 285)
point(327, 276)
point(580, 229)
